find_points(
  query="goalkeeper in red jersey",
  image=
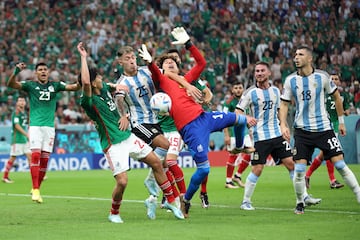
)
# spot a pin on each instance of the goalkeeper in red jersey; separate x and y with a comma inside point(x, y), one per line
point(193, 123)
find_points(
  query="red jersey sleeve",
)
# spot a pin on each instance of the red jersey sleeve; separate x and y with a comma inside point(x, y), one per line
point(200, 65)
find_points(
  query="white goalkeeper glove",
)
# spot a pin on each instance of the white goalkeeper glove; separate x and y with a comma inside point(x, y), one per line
point(144, 54)
point(181, 36)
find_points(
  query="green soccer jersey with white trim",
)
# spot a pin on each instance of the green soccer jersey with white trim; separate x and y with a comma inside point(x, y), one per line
point(331, 109)
point(102, 110)
point(21, 119)
point(42, 101)
point(230, 106)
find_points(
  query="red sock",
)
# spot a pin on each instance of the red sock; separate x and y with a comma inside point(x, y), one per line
point(230, 165)
point(34, 169)
point(172, 182)
point(44, 159)
point(115, 206)
point(178, 175)
point(314, 165)
point(167, 190)
point(203, 185)
point(330, 169)
point(7, 168)
point(244, 163)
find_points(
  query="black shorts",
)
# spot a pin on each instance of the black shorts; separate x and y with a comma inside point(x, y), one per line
point(147, 132)
point(306, 142)
point(278, 147)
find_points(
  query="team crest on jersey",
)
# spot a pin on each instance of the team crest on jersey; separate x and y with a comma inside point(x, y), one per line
point(274, 99)
point(51, 89)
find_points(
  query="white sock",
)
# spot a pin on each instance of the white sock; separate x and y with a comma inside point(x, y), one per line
point(350, 179)
point(249, 187)
point(299, 186)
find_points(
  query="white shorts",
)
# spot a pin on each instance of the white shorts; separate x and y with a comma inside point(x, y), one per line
point(19, 149)
point(42, 138)
point(118, 154)
point(247, 142)
point(176, 142)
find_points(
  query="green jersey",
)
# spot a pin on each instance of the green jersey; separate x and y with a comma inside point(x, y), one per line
point(102, 110)
point(331, 109)
point(21, 119)
point(43, 99)
point(230, 106)
point(166, 123)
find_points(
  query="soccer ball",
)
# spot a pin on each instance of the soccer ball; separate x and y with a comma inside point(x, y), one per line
point(160, 103)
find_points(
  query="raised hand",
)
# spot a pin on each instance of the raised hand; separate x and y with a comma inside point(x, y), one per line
point(181, 36)
point(144, 54)
point(81, 49)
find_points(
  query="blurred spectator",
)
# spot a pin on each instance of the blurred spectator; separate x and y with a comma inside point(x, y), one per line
point(47, 30)
point(71, 114)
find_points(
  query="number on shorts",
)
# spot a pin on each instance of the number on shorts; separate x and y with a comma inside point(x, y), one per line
point(287, 145)
point(140, 143)
point(174, 141)
point(334, 143)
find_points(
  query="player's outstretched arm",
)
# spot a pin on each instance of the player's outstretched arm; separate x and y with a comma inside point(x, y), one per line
point(190, 89)
point(84, 70)
point(73, 87)
point(13, 82)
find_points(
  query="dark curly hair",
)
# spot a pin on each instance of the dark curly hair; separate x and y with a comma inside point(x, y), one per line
point(92, 71)
point(160, 60)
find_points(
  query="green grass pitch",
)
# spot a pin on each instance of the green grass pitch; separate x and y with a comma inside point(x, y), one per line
point(76, 205)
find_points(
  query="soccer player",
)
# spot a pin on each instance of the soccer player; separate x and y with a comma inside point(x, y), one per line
point(205, 101)
point(116, 143)
point(309, 86)
point(19, 137)
point(193, 123)
point(330, 107)
point(242, 159)
point(135, 111)
point(42, 100)
point(263, 99)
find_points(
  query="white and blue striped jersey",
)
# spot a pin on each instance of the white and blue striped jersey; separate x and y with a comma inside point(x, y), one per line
point(309, 93)
point(141, 89)
point(264, 105)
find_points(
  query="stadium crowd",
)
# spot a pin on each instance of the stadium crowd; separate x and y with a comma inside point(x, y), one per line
point(232, 35)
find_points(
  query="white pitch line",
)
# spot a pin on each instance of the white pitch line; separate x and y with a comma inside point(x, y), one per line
point(142, 201)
